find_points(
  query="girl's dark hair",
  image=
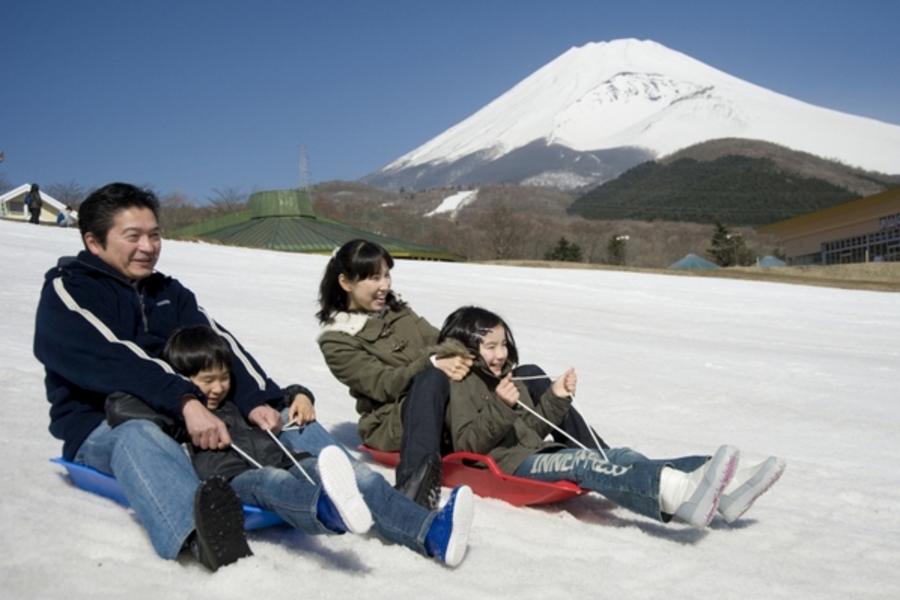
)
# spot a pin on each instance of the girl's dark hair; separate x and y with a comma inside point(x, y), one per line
point(355, 260)
point(469, 324)
point(196, 348)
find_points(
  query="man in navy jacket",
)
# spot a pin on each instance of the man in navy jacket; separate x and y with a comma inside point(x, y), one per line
point(103, 318)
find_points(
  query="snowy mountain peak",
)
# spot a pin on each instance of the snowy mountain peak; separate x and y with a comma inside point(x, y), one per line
point(639, 94)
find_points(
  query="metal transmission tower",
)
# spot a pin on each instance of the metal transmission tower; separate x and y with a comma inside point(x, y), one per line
point(304, 172)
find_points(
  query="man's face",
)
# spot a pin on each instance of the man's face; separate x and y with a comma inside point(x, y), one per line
point(132, 244)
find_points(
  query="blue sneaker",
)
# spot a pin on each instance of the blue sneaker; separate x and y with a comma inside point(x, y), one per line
point(448, 536)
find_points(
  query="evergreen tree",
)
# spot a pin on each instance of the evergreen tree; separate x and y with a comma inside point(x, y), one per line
point(564, 251)
point(615, 250)
point(728, 249)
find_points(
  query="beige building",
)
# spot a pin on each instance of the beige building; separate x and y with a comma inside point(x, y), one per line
point(864, 230)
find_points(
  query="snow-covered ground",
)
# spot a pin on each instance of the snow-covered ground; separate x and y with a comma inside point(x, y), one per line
point(667, 365)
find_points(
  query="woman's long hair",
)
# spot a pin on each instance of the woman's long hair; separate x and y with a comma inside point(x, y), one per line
point(469, 324)
point(355, 260)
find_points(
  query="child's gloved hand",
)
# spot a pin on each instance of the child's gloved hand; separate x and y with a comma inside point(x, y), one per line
point(565, 384)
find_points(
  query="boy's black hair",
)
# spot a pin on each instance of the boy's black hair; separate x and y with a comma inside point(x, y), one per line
point(196, 348)
point(469, 324)
point(355, 260)
point(98, 211)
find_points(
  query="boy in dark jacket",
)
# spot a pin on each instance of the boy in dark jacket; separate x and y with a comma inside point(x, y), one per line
point(280, 483)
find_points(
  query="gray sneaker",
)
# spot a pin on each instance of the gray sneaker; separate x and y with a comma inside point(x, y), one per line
point(735, 503)
point(700, 508)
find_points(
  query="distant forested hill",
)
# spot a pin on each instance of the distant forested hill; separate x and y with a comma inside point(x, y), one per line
point(739, 182)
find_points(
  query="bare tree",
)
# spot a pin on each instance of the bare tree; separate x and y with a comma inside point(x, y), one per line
point(501, 226)
point(70, 193)
point(227, 199)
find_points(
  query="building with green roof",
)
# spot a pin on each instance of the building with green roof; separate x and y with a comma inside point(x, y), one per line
point(284, 220)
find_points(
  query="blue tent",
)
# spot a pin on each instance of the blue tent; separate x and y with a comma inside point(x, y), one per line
point(770, 261)
point(694, 262)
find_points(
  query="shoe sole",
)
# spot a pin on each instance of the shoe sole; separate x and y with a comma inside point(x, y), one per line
point(704, 502)
point(219, 524)
point(733, 506)
point(463, 513)
point(339, 482)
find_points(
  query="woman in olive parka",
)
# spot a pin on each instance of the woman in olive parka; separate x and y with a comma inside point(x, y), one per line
point(389, 358)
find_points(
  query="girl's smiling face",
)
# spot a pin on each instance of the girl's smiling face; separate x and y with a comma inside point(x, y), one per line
point(493, 349)
point(370, 294)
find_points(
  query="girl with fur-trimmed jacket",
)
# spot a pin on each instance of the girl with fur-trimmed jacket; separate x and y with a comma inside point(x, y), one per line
point(490, 413)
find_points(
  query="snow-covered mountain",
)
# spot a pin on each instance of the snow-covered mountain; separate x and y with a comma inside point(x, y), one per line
point(601, 108)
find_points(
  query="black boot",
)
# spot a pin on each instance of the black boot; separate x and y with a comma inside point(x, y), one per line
point(423, 485)
point(219, 537)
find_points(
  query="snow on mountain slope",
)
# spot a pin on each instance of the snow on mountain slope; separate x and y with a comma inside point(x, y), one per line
point(632, 93)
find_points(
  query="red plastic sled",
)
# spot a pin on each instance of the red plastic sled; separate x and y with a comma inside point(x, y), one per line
point(94, 481)
point(482, 474)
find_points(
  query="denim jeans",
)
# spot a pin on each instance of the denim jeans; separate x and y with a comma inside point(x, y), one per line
point(629, 478)
point(155, 475)
point(285, 492)
point(396, 517)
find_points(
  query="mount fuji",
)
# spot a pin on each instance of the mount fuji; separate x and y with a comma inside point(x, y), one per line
point(599, 109)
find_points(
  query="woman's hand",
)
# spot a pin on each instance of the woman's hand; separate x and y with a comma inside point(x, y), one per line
point(302, 410)
point(507, 391)
point(454, 367)
point(565, 385)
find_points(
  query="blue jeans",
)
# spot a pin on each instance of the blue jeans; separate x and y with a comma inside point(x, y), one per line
point(629, 478)
point(396, 517)
point(285, 492)
point(155, 475)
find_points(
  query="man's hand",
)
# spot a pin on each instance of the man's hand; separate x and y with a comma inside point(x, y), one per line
point(507, 391)
point(455, 367)
point(301, 410)
point(207, 431)
point(265, 417)
point(565, 385)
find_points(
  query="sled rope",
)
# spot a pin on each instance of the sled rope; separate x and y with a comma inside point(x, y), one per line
point(590, 429)
point(290, 456)
point(246, 456)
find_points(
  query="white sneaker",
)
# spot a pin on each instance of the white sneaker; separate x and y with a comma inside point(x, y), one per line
point(749, 483)
point(700, 508)
point(339, 483)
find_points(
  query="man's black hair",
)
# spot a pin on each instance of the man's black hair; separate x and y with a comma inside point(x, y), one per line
point(97, 213)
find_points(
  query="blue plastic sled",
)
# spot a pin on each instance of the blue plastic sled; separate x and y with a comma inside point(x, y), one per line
point(105, 485)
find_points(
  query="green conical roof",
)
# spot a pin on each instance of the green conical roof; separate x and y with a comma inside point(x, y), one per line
point(284, 220)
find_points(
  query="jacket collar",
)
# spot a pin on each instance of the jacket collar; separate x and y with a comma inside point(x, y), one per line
point(345, 322)
point(89, 262)
point(368, 326)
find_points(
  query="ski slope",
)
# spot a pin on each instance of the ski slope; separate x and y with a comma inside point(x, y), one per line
point(668, 365)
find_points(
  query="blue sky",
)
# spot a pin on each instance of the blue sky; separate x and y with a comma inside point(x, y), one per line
point(194, 96)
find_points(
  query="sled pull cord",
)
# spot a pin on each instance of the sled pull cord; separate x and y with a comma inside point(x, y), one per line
point(583, 447)
point(246, 456)
point(290, 456)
